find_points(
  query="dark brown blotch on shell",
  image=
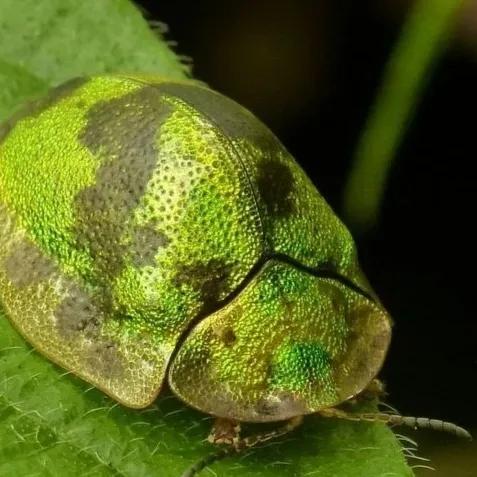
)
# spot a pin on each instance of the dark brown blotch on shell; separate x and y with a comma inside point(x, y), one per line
point(275, 185)
point(77, 313)
point(146, 241)
point(124, 132)
point(227, 336)
point(210, 279)
point(28, 265)
point(230, 118)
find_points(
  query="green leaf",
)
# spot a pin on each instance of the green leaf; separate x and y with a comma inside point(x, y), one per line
point(51, 423)
point(45, 43)
point(56, 40)
point(17, 85)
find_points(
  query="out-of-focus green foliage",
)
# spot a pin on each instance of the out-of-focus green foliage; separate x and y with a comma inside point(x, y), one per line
point(51, 423)
point(422, 40)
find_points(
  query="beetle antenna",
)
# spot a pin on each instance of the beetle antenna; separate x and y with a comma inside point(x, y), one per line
point(415, 422)
point(242, 444)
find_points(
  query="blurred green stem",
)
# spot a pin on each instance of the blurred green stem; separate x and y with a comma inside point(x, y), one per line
point(422, 39)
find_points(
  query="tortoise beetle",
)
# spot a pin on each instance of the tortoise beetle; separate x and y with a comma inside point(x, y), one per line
point(152, 229)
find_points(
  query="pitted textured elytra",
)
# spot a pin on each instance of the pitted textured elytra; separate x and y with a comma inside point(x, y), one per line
point(27, 265)
point(278, 198)
point(34, 108)
point(77, 313)
point(164, 231)
point(103, 210)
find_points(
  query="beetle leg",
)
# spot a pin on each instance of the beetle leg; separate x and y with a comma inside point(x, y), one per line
point(254, 439)
point(239, 444)
point(396, 419)
point(224, 431)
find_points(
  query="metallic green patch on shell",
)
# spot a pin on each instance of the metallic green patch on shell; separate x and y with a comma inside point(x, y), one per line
point(297, 366)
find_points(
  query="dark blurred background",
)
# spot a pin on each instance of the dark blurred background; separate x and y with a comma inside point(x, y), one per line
point(310, 69)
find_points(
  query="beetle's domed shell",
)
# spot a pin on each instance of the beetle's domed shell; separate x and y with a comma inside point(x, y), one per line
point(131, 208)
